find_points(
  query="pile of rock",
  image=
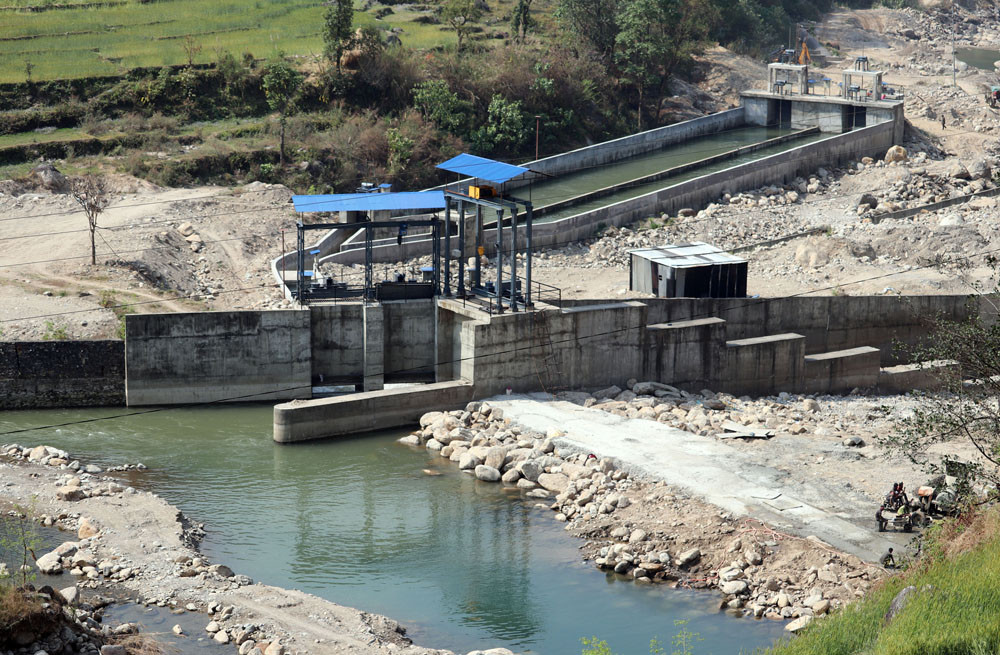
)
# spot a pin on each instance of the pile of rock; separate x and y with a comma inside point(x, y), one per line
point(708, 413)
point(51, 456)
point(490, 447)
point(590, 494)
point(57, 623)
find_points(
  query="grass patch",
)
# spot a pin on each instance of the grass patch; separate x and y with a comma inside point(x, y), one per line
point(74, 42)
point(956, 609)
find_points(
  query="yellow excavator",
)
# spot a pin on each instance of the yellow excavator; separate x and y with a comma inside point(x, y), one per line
point(798, 55)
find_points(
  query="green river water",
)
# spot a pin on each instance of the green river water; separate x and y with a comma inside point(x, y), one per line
point(461, 563)
point(978, 57)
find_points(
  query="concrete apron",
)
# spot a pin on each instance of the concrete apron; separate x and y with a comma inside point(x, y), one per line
point(712, 471)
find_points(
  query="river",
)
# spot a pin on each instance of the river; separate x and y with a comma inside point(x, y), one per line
point(461, 563)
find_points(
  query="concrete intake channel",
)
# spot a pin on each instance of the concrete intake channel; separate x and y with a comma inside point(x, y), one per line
point(596, 187)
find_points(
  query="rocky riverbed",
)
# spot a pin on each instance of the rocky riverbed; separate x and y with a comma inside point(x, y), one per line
point(133, 544)
point(647, 530)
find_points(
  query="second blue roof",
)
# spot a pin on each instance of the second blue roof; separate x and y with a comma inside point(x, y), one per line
point(364, 202)
point(482, 168)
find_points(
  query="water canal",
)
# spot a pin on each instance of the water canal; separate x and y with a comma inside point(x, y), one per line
point(578, 183)
point(462, 564)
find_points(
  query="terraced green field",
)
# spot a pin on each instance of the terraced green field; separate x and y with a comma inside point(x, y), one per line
point(73, 38)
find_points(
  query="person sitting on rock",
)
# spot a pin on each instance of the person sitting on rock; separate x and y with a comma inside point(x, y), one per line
point(887, 560)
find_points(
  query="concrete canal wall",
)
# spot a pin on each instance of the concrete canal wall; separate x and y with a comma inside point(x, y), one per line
point(42, 374)
point(828, 323)
point(696, 193)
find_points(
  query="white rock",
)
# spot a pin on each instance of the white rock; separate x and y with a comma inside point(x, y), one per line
point(487, 473)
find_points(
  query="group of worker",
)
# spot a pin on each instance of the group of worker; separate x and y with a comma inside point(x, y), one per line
point(895, 501)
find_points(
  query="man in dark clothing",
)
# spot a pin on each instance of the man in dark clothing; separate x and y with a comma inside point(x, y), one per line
point(887, 560)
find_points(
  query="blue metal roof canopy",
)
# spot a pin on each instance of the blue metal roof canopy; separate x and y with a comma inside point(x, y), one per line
point(364, 202)
point(482, 168)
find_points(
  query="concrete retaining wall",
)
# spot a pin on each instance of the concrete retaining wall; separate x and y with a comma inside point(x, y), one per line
point(337, 335)
point(764, 365)
point(215, 356)
point(842, 371)
point(365, 412)
point(688, 353)
point(40, 374)
point(828, 323)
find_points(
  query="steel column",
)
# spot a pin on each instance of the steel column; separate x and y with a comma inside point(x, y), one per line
point(513, 258)
point(447, 248)
point(479, 244)
point(369, 285)
point(461, 241)
point(500, 261)
point(436, 255)
point(300, 261)
point(527, 258)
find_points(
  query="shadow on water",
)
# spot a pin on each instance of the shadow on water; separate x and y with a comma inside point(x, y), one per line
point(461, 563)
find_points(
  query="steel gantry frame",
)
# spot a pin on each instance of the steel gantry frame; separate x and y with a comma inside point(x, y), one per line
point(369, 227)
point(500, 204)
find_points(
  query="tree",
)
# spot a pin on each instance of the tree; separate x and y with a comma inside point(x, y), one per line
point(506, 128)
point(654, 37)
point(281, 84)
point(92, 194)
point(521, 21)
point(338, 29)
point(593, 23)
point(441, 105)
point(961, 412)
point(461, 14)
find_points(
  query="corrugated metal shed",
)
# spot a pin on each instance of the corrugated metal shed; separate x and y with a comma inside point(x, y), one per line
point(365, 202)
point(687, 270)
point(482, 168)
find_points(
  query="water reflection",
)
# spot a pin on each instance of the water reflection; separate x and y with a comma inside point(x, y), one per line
point(461, 563)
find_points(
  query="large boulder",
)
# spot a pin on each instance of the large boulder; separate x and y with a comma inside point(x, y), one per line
point(958, 171)
point(487, 473)
point(87, 528)
point(798, 624)
point(468, 461)
point(688, 557)
point(495, 457)
point(556, 482)
point(530, 470)
point(980, 169)
point(49, 563)
point(895, 153)
point(734, 587)
point(49, 177)
point(867, 199)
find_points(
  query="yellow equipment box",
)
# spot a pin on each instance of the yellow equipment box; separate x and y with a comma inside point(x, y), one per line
point(481, 192)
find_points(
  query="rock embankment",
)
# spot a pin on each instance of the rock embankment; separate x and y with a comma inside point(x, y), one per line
point(645, 530)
